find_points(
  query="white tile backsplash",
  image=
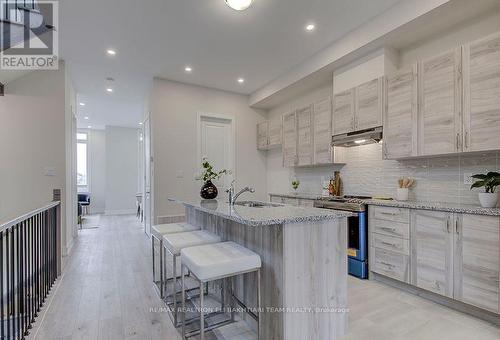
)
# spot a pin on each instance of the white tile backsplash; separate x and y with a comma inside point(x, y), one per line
point(438, 179)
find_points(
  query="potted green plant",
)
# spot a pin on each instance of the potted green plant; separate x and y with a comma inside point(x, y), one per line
point(489, 181)
point(295, 184)
point(207, 175)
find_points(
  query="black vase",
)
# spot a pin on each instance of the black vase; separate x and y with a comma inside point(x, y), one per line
point(208, 191)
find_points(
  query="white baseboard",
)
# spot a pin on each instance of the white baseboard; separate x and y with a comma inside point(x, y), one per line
point(120, 212)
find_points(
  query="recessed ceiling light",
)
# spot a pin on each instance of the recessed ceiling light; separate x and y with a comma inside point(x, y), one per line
point(111, 52)
point(109, 89)
point(82, 104)
point(360, 141)
point(188, 69)
point(239, 5)
point(86, 118)
point(89, 127)
point(310, 27)
point(241, 80)
point(140, 123)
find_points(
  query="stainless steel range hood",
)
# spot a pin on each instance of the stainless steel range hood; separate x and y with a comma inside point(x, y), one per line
point(356, 138)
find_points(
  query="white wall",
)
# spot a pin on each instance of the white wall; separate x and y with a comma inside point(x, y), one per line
point(174, 108)
point(121, 170)
point(32, 140)
point(97, 159)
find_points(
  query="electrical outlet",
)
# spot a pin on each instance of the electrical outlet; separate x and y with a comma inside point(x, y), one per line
point(468, 180)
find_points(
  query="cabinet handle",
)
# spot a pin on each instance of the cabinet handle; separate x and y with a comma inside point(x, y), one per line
point(388, 228)
point(458, 141)
point(388, 213)
point(448, 225)
point(387, 264)
point(456, 228)
point(466, 139)
point(389, 244)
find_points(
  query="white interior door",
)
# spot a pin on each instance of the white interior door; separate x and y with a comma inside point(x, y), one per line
point(217, 145)
point(147, 178)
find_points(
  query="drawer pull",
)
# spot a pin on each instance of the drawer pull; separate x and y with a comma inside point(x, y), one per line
point(389, 244)
point(388, 213)
point(387, 264)
point(388, 228)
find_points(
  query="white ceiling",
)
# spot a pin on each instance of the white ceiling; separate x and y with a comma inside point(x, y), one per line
point(159, 37)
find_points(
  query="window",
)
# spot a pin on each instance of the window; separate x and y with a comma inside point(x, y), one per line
point(82, 166)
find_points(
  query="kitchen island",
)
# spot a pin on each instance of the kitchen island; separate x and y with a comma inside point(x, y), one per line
point(304, 264)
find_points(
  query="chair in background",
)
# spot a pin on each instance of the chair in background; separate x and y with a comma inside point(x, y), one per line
point(84, 203)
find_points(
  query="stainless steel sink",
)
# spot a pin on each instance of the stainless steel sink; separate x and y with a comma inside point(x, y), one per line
point(255, 204)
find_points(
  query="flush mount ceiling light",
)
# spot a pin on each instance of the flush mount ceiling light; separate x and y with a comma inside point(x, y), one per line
point(238, 5)
point(310, 27)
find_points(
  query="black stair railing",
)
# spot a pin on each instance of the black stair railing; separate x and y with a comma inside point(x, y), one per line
point(29, 265)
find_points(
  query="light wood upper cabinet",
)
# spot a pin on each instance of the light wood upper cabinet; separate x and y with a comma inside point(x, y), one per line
point(477, 261)
point(400, 120)
point(323, 131)
point(440, 98)
point(289, 139)
point(269, 134)
point(432, 251)
point(305, 136)
point(343, 112)
point(369, 105)
point(482, 94)
point(274, 131)
point(262, 135)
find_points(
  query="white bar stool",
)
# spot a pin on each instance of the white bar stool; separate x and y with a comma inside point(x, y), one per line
point(215, 262)
point(157, 232)
point(173, 244)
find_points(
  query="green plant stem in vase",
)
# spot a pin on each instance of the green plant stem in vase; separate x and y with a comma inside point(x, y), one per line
point(207, 175)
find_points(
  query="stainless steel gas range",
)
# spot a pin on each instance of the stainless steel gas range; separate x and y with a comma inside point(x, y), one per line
point(357, 231)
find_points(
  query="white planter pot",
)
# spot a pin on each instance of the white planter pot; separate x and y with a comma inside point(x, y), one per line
point(488, 200)
point(402, 194)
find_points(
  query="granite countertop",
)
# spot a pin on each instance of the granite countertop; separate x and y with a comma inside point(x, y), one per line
point(308, 196)
point(278, 214)
point(438, 206)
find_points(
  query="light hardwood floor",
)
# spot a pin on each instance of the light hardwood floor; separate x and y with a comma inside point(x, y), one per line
point(106, 293)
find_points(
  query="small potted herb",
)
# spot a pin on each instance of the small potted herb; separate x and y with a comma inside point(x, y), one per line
point(489, 181)
point(207, 175)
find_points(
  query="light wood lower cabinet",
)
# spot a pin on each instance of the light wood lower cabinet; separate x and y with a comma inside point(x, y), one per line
point(432, 251)
point(477, 261)
point(450, 254)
